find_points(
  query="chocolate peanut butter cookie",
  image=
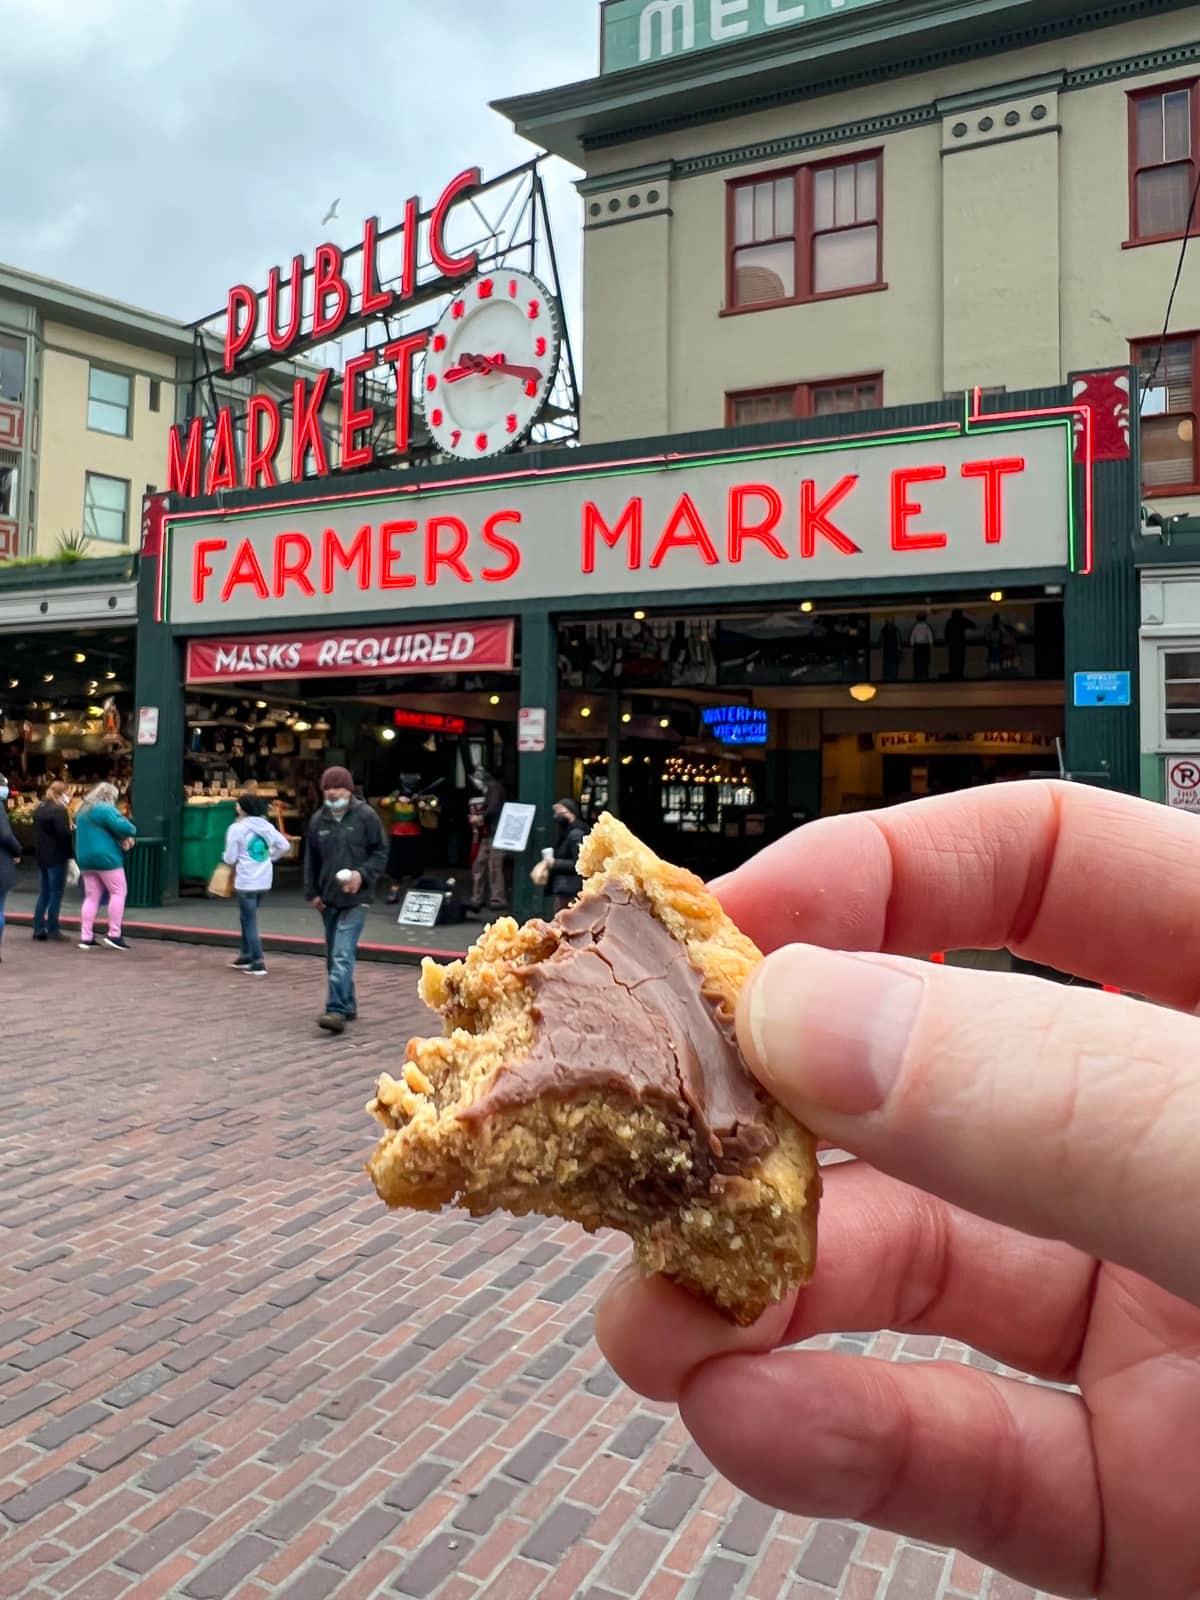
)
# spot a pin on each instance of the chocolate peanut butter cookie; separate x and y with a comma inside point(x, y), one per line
point(589, 1069)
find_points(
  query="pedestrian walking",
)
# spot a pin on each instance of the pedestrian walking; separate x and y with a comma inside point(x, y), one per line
point(346, 853)
point(102, 836)
point(252, 847)
point(565, 882)
point(921, 643)
point(10, 854)
point(52, 846)
point(488, 886)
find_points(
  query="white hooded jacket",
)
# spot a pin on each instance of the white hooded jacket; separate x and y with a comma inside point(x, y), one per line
point(252, 847)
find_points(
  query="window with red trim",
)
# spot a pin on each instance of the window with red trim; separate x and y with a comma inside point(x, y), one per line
point(826, 399)
point(1167, 387)
point(1164, 137)
point(804, 234)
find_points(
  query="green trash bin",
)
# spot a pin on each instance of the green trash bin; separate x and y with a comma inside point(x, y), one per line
point(145, 867)
point(202, 838)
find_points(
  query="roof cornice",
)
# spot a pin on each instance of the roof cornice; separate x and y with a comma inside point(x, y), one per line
point(832, 54)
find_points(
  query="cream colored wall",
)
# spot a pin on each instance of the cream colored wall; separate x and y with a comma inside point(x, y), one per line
point(712, 354)
point(68, 448)
point(1003, 254)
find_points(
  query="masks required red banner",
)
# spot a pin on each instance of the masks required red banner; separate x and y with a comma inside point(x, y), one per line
point(350, 652)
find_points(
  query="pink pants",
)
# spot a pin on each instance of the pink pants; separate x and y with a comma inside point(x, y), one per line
point(94, 884)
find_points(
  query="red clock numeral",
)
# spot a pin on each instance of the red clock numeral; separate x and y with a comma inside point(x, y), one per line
point(481, 441)
point(431, 381)
point(439, 343)
point(535, 310)
point(436, 418)
point(539, 348)
point(455, 437)
point(510, 422)
point(485, 288)
point(457, 309)
point(531, 389)
point(512, 288)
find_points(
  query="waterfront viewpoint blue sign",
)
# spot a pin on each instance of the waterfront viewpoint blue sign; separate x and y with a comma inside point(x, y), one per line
point(636, 32)
point(1102, 688)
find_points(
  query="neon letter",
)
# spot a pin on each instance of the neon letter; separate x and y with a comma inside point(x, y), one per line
point(696, 535)
point(245, 569)
point(814, 517)
point(260, 458)
point(183, 467)
point(631, 523)
point(279, 338)
point(327, 281)
point(436, 557)
point(740, 530)
point(401, 353)
point(242, 301)
point(451, 266)
point(222, 459)
point(353, 422)
point(904, 509)
point(201, 571)
point(506, 547)
point(993, 473)
point(390, 556)
point(306, 426)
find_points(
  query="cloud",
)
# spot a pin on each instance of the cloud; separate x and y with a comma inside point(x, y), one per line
point(166, 149)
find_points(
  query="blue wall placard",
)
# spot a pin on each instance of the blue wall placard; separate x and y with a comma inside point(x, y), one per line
point(1102, 688)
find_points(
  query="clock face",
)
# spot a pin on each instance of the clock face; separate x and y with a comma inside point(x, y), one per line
point(490, 364)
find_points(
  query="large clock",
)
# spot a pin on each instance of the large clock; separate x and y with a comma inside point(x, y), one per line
point(490, 364)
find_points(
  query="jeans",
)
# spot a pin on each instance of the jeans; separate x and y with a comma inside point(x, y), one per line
point(248, 903)
point(94, 885)
point(49, 900)
point(3, 897)
point(343, 929)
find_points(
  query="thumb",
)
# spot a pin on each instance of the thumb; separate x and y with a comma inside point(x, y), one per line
point(1063, 1112)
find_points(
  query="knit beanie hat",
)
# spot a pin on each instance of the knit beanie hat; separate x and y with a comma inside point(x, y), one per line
point(336, 778)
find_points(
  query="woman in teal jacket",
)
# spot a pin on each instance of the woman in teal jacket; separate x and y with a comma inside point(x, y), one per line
point(102, 835)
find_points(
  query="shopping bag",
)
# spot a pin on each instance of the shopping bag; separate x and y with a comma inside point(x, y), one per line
point(221, 883)
point(540, 874)
point(72, 874)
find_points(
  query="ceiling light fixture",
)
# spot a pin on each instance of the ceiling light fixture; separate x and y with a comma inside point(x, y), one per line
point(863, 692)
point(806, 605)
point(79, 657)
point(626, 716)
point(639, 616)
point(493, 699)
point(585, 711)
point(996, 596)
point(664, 722)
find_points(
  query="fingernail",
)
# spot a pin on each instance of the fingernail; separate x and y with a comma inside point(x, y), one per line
point(829, 1030)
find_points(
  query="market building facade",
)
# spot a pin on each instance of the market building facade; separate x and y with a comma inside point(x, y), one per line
point(804, 211)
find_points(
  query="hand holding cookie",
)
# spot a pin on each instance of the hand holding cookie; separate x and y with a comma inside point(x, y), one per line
point(1030, 1187)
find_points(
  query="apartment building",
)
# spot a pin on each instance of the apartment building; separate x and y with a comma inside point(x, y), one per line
point(798, 207)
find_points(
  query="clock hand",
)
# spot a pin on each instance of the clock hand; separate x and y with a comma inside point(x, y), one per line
point(472, 365)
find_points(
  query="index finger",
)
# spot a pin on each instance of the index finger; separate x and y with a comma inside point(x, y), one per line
point(1091, 882)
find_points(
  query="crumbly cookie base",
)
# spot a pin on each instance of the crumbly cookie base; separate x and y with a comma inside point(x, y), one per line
point(604, 1161)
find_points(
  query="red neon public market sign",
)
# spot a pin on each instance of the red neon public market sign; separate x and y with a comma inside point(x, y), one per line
point(199, 465)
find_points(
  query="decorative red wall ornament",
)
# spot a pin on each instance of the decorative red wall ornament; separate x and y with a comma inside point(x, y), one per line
point(1107, 396)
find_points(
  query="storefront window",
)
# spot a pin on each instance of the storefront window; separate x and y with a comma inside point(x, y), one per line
point(12, 369)
point(1181, 695)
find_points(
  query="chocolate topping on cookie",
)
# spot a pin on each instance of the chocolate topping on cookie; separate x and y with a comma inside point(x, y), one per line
point(619, 1005)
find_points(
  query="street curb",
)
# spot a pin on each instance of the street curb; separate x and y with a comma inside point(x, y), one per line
point(283, 944)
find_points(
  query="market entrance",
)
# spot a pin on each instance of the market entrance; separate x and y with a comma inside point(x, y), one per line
point(718, 731)
point(416, 740)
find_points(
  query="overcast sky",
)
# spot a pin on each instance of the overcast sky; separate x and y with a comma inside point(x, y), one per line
point(159, 151)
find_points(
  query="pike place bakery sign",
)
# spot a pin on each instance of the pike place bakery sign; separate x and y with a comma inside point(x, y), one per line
point(982, 502)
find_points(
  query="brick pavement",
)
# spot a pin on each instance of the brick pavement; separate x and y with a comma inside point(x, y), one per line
point(225, 1371)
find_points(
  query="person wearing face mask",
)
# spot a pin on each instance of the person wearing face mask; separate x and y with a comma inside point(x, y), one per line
point(10, 854)
point(346, 853)
point(570, 832)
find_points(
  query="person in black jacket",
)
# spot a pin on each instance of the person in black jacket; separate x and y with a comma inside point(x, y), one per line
point(10, 853)
point(52, 844)
point(565, 882)
point(346, 854)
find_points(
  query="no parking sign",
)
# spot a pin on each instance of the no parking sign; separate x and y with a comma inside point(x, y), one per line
point(1183, 783)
